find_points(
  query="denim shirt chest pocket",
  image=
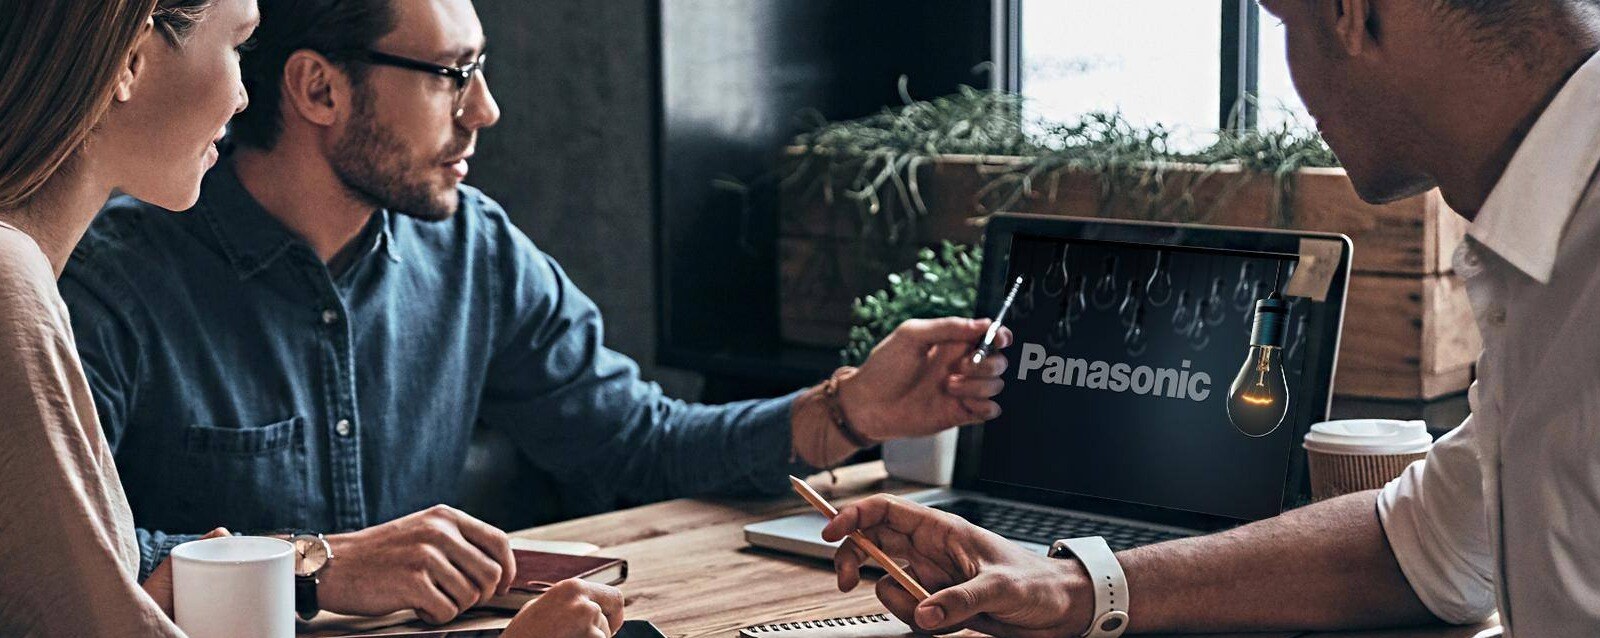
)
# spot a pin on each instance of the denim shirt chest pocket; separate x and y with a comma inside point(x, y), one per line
point(248, 478)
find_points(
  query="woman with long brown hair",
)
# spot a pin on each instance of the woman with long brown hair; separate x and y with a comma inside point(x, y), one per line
point(99, 96)
point(94, 96)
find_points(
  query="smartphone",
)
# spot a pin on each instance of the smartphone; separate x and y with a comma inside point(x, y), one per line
point(638, 629)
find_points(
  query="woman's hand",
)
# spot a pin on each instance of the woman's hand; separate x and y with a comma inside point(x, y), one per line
point(159, 584)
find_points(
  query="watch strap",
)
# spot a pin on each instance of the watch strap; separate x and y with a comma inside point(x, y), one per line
point(305, 597)
point(1110, 584)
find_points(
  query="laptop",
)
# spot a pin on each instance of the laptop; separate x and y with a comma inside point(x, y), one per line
point(1115, 411)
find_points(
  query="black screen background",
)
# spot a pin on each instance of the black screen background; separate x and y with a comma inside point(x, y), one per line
point(1159, 451)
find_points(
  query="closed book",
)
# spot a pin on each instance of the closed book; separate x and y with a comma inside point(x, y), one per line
point(539, 571)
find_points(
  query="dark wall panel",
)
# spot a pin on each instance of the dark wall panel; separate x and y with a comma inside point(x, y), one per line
point(735, 75)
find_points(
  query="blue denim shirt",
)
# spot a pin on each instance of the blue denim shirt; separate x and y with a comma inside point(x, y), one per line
point(241, 384)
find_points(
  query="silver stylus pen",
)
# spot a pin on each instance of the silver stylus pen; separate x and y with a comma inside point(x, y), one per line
point(994, 326)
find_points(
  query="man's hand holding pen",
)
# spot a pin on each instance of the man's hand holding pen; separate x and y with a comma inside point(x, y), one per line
point(921, 380)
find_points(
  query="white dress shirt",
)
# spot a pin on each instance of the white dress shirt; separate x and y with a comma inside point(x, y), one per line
point(1505, 511)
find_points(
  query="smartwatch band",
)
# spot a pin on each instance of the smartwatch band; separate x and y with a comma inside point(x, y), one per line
point(1110, 584)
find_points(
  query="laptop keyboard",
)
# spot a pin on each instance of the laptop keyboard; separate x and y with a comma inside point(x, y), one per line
point(1026, 524)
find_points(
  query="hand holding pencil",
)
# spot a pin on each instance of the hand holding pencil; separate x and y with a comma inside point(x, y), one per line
point(977, 579)
point(811, 496)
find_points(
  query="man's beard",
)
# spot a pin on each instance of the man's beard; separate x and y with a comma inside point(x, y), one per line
point(375, 166)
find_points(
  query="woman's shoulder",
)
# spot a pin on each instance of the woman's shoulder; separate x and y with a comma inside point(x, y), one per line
point(27, 282)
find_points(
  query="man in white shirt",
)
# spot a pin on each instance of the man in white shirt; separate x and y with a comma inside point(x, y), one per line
point(1496, 102)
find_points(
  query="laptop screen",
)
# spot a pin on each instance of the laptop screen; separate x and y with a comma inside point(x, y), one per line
point(1119, 377)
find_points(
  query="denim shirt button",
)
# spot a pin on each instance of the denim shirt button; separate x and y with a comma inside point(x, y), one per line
point(330, 316)
point(342, 427)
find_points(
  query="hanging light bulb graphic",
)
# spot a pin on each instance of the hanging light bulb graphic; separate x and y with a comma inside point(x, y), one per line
point(1297, 343)
point(1105, 289)
point(1055, 278)
point(1213, 309)
point(1200, 334)
point(1158, 289)
point(1135, 338)
point(1061, 329)
point(1060, 333)
point(1259, 396)
point(1024, 303)
point(1077, 298)
point(1131, 302)
point(1180, 313)
point(1244, 293)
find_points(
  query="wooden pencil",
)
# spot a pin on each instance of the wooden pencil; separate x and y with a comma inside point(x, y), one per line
point(822, 505)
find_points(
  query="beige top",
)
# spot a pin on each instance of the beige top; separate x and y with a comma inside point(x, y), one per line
point(68, 554)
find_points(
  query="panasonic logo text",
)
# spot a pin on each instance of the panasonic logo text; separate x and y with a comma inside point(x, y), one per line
point(1172, 383)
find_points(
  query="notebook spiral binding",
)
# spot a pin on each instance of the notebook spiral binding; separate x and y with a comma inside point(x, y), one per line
point(819, 624)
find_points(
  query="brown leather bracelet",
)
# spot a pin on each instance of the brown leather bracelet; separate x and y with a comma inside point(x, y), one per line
point(830, 394)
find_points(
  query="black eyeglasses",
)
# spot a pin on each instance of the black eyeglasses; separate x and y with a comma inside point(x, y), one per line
point(461, 75)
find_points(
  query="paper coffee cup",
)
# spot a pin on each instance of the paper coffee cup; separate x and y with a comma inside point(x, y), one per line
point(1362, 454)
point(234, 587)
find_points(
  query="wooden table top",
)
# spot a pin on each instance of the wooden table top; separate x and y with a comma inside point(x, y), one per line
point(693, 576)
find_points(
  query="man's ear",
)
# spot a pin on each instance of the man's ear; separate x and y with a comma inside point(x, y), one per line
point(134, 67)
point(1355, 25)
point(314, 87)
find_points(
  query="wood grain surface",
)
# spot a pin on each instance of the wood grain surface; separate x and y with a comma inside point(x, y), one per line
point(693, 576)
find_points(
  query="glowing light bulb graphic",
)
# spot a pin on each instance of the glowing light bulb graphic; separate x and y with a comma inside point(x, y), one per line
point(1259, 396)
point(1158, 289)
point(1105, 289)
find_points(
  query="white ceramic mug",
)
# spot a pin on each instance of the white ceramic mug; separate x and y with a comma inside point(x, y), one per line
point(234, 587)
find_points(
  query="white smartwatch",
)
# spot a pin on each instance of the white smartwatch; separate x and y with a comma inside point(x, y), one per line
point(1110, 585)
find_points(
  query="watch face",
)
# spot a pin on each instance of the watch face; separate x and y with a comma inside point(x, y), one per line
point(311, 553)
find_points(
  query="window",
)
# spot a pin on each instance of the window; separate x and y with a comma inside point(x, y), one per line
point(1156, 61)
point(1278, 101)
point(1111, 55)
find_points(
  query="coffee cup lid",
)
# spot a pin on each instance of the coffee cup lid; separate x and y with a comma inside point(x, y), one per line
point(1369, 437)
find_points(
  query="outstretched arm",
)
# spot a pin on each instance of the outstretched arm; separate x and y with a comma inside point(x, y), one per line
point(1325, 566)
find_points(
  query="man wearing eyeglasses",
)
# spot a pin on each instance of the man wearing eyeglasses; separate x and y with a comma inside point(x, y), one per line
point(308, 349)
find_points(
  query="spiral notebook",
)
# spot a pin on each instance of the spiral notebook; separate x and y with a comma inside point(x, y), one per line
point(870, 626)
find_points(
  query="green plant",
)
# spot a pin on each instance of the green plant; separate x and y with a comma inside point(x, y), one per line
point(1278, 152)
point(873, 162)
point(942, 284)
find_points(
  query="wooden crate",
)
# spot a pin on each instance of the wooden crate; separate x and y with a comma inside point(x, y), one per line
point(1406, 337)
point(1409, 332)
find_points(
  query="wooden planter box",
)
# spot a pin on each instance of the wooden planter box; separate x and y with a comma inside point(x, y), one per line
point(1408, 330)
